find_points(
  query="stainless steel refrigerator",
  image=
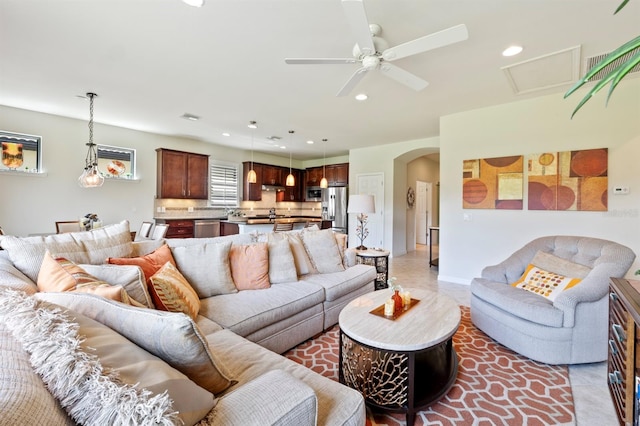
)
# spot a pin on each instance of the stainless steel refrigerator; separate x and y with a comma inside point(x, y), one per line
point(334, 207)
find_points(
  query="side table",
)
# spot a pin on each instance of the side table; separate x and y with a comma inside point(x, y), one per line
point(379, 259)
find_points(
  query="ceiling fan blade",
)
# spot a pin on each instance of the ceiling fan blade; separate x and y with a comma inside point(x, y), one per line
point(353, 82)
point(428, 42)
point(303, 61)
point(357, 17)
point(404, 77)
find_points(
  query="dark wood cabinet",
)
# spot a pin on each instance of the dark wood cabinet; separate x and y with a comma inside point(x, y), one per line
point(178, 228)
point(313, 176)
point(229, 228)
point(182, 174)
point(623, 365)
point(252, 191)
point(337, 174)
point(291, 193)
point(273, 175)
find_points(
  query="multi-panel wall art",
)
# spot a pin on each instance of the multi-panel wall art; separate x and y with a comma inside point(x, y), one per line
point(569, 180)
point(492, 183)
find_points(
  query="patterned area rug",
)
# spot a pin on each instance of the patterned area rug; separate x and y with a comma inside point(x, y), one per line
point(495, 386)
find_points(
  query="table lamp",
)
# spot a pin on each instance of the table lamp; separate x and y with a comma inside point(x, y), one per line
point(361, 204)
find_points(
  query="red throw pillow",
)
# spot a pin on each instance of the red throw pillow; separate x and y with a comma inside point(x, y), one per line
point(150, 263)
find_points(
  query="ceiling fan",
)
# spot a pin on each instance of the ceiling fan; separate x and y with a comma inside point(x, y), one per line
point(373, 52)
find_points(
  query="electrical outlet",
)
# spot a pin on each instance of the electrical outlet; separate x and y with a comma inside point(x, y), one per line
point(163, 209)
point(190, 209)
point(467, 217)
point(158, 209)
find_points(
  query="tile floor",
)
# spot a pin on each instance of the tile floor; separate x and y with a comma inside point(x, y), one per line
point(592, 401)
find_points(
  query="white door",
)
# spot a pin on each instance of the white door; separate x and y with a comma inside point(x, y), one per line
point(372, 184)
point(422, 211)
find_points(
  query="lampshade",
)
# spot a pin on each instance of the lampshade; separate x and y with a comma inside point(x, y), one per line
point(251, 176)
point(361, 203)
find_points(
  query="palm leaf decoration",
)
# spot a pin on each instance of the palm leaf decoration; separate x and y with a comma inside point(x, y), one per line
point(629, 56)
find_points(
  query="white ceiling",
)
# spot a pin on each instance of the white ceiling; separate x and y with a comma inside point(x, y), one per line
point(150, 61)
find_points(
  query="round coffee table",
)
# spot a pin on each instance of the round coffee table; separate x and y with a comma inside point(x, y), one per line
point(402, 364)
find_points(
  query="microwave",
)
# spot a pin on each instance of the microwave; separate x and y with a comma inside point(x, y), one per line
point(314, 193)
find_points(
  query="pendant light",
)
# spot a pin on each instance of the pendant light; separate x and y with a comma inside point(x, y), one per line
point(291, 181)
point(251, 176)
point(91, 176)
point(323, 182)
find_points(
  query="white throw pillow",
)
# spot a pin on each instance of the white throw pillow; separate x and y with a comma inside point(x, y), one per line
point(282, 267)
point(323, 250)
point(206, 267)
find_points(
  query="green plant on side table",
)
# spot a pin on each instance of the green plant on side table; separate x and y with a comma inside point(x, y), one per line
point(630, 48)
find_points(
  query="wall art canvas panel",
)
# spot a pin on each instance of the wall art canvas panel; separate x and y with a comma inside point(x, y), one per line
point(569, 180)
point(493, 183)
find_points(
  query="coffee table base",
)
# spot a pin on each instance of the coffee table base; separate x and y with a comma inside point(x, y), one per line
point(398, 381)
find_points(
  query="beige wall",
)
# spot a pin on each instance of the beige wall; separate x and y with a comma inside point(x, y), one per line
point(32, 203)
point(528, 127)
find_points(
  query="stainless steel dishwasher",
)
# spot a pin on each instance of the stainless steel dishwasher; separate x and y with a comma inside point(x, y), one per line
point(206, 228)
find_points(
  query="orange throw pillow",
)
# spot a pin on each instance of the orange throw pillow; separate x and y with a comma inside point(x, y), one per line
point(61, 275)
point(150, 263)
point(250, 266)
point(171, 292)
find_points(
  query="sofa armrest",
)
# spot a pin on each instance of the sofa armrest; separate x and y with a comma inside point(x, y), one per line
point(592, 288)
point(275, 398)
point(350, 257)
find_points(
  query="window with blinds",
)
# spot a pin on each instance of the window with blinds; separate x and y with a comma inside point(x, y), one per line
point(224, 185)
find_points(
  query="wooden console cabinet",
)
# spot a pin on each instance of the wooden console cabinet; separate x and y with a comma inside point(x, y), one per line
point(623, 362)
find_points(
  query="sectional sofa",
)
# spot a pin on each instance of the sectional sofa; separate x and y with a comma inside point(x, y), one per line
point(97, 329)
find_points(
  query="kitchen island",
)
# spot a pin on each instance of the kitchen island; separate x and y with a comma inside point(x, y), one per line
point(263, 225)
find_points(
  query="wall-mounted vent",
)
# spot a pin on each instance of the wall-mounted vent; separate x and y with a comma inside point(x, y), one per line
point(592, 61)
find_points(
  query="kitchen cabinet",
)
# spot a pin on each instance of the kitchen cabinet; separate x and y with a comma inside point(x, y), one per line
point(229, 228)
point(252, 191)
point(313, 176)
point(273, 175)
point(292, 193)
point(182, 174)
point(623, 364)
point(178, 228)
point(337, 174)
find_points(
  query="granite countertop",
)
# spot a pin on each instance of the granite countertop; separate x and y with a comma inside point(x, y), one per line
point(292, 219)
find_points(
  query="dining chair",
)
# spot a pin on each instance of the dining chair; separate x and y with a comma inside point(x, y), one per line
point(1, 231)
point(144, 231)
point(159, 231)
point(311, 224)
point(64, 226)
point(282, 227)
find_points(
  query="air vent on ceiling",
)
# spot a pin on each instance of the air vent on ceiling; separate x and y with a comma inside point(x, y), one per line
point(592, 61)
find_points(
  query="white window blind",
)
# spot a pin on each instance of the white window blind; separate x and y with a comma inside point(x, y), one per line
point(224, 185)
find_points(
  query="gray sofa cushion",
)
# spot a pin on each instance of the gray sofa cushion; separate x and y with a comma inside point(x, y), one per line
point(171, 336)
point(276, 398)
point(206, 267)
point(338, 284)
point(92, 247)
point(250, 310)
point(518, 302)
point(337, 404)
point(11, 277)
point(24, 399)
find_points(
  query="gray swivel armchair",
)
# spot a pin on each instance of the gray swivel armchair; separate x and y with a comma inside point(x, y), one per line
point(573, 328)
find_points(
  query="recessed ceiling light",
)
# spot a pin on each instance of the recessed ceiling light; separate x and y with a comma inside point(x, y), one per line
point(226, 134)
point(310, 142)
point(283, 147)
point(194, 3)
point(191, 117)
point(512, 51)
point(362, 97)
